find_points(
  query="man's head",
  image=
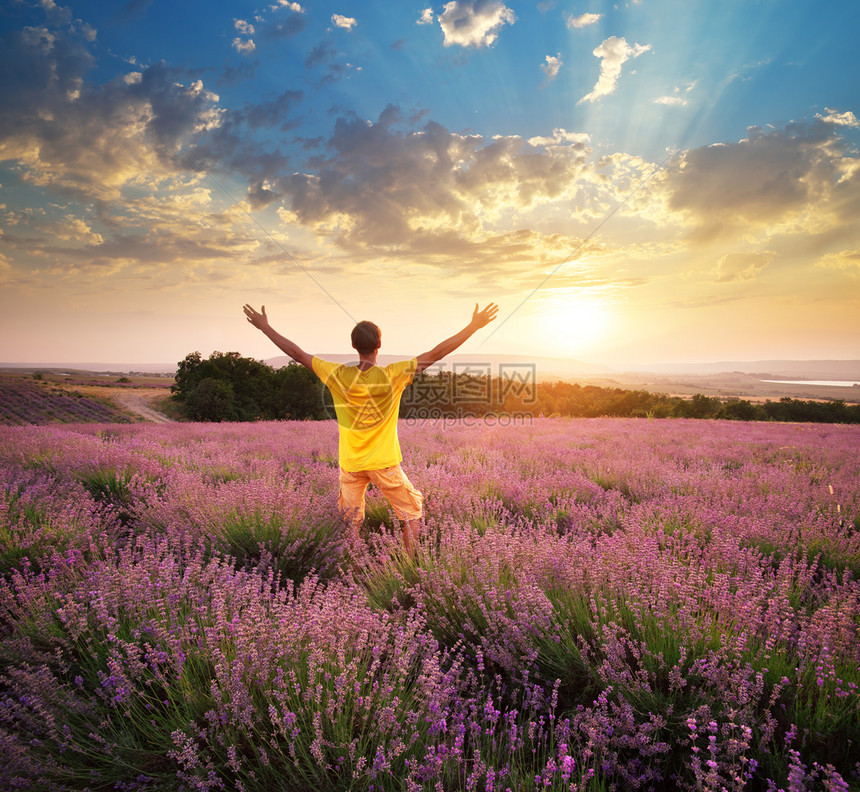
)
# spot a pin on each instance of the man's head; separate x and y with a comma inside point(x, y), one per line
point(366, 338)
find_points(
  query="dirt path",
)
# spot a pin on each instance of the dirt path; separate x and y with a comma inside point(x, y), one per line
point(138, 403)
point(136, 400)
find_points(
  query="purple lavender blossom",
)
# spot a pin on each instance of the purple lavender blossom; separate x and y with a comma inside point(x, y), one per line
point(663, 604)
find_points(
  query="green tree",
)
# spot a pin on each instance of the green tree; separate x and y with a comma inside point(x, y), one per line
point(229, 387)
point(742, 410)
point(212, 400)
point(299, 394)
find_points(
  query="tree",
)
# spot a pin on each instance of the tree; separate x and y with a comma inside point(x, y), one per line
point(300, 395)
point(212, 400)
point(229, 387)
point(742, 410)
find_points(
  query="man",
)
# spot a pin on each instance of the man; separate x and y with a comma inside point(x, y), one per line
point(366, 401)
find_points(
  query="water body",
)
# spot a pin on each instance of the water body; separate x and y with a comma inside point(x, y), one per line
point(832, 383)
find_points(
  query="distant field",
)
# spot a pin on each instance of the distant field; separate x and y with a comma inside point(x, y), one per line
point(596, 604)
point(84, 398)
point(24, 400)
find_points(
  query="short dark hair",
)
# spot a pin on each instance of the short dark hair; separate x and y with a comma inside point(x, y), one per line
point(366, 338)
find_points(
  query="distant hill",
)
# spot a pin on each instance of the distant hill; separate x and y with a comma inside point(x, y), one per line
point(788, 369)
point(550, 368)
point(90, 368)
point(546, 368)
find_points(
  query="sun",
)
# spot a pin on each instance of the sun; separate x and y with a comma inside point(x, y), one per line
point(574, 323)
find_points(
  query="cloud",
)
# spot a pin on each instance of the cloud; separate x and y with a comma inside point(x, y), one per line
point(140, 130)
point(735, 267)
point(56, 15)
point(344, 22)
point(243, 27)
point(552, 65)
point(614, 52)
point(474, 23)
point(676, 99)
point(161, 239)
point(325, 55)
point(244, 46)
point(131, 12)
point(75, 229)
point(277, 113)
point(583, 20)
point(71, 135)
point(43, 70)
point(839, 119)
point(843, 260)
point(798, 178)
point(560, 137)
point(233, 74)
point(388, 188)
point(426, 17)
point(274, 27)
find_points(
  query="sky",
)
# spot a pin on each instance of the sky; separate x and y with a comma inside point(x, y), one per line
point(631, 182)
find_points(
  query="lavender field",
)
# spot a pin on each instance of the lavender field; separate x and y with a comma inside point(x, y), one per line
point(596, 604)
point(25, 402)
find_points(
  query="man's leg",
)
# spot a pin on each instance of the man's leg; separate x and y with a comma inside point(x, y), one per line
point(405, 499)
point(411, 531)
point(350, 500)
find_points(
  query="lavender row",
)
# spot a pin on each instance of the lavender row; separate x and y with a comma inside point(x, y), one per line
point(23, 403)
point(601, 604)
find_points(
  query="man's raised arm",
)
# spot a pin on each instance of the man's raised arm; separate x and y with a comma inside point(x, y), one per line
point(261, 322)
point(479, 319)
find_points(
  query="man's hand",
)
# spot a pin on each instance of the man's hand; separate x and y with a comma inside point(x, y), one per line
point(259, 320)
point(483, 318)
point(479, 319)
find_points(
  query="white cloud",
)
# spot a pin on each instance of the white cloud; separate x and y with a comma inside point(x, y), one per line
point(552, 65)
point(474, 23)
point(294, 7)
point(583, 20)
point(613, 54)
point(839, 119)
point(560, 137)
point(341, 21)
point(244, 46)
point(244, 27)
point(426, 17)
point(675, 98)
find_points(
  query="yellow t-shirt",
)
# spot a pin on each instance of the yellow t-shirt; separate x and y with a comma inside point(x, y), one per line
point(366, 404)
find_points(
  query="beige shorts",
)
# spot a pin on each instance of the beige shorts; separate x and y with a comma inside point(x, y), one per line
point(392, 482)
